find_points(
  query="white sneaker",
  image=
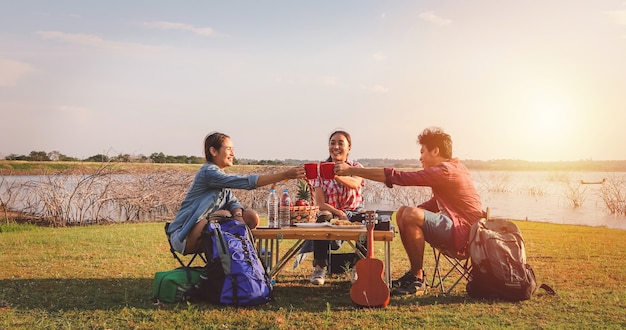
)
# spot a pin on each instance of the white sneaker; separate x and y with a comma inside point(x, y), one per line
point(318, 276)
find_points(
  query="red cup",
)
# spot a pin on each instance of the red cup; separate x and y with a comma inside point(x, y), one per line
point(311, 170)
point(327, 169)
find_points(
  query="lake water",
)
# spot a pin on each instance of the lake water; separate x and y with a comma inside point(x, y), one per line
point(545, 197)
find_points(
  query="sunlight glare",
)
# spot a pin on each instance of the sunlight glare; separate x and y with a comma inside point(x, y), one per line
point(550, 117)
point(551, 125)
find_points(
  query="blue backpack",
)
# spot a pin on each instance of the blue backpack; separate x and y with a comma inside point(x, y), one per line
point(235, 275)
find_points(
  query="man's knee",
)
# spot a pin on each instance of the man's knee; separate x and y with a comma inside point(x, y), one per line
point(410, 216)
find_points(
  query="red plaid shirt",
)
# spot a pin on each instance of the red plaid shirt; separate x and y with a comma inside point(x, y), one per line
point(340, 196)
point(453, 194)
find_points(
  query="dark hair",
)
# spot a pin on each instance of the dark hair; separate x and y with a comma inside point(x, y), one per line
point(435, 137)
point(215, 140)
point(345, 134)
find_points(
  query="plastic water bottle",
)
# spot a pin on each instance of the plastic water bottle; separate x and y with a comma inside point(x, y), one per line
point(272, 209)
point(284, 217)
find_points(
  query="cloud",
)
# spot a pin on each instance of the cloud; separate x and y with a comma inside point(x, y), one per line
point(98, 42)
point(379, 57)
point(431, 17)
point(12, 71)
point(161, 25)
point(618, 16)
point(376, 89)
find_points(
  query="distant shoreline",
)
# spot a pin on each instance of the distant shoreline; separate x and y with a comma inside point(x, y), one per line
point(18, 167)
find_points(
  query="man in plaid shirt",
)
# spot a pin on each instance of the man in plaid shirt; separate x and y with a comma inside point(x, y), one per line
point(444, 220)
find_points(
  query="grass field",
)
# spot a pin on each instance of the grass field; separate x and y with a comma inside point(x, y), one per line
point(100, 277)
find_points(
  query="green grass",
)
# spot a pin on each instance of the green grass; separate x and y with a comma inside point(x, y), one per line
point(12, 226)
point(100, 277)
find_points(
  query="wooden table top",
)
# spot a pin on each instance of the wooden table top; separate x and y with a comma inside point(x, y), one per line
point(320, 233)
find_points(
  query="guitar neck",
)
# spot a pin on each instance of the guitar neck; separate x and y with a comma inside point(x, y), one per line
point(370, 222)
point(370, 242)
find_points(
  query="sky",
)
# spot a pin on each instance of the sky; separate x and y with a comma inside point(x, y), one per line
point(530, 80)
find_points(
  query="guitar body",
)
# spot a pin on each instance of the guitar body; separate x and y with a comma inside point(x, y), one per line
point(369, 289)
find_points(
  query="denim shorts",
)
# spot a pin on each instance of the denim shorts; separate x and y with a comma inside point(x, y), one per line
point(438, 229)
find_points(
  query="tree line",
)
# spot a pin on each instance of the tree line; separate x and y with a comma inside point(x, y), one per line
point(156, 157)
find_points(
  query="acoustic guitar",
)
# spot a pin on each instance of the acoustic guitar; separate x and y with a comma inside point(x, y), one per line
point(369, 289)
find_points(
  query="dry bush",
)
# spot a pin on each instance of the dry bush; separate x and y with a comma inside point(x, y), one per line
point(107, 196)
point(257, 198)
point(378, 193)
point(495, 182)
point(66, 198)
point(613, 193)
point(575, 194)
point(72, 198)
point(535, 191)
point(9, 190)
point(146, 197)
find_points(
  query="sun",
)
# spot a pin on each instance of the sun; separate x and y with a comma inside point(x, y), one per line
point(550, 120)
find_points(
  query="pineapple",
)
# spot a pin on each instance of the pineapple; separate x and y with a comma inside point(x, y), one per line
point(305, 209)
point(304, 193)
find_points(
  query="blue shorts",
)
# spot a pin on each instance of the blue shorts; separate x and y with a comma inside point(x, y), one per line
point(438, 229)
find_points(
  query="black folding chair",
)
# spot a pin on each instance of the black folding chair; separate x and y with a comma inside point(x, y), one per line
point(457, 267)
point(199, 255)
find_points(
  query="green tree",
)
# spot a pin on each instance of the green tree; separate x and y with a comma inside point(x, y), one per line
point(38, 156)
point(15, 157)
point(199, 160)
point(158, 157)
point(99, 158)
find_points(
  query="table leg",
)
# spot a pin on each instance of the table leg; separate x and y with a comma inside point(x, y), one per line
point(280, 264)
point(388, 263)
point(356, 249)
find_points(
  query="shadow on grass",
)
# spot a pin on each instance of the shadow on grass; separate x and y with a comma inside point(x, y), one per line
point(300, 295)
point(114, 294)
point(79, 294)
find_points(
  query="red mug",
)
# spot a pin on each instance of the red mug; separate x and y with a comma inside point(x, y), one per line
point(311, 170)
point(327, 169)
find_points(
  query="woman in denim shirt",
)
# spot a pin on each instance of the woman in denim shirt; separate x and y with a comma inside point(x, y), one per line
point(210, 193)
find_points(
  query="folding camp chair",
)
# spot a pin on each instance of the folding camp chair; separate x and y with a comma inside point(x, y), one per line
point(199, 255)
point(458, 266)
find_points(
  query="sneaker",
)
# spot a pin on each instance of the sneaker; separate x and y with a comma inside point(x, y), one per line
point(408, 284)
point(318, 275)
point(408, 277)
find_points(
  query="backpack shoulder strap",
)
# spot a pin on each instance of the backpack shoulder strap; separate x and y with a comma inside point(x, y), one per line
point(548, 289)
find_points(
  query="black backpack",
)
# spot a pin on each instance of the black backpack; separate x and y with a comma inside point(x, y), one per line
point(235, 275)
point(499, 268)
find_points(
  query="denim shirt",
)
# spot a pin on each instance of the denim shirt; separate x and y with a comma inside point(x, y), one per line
point(209, 192)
